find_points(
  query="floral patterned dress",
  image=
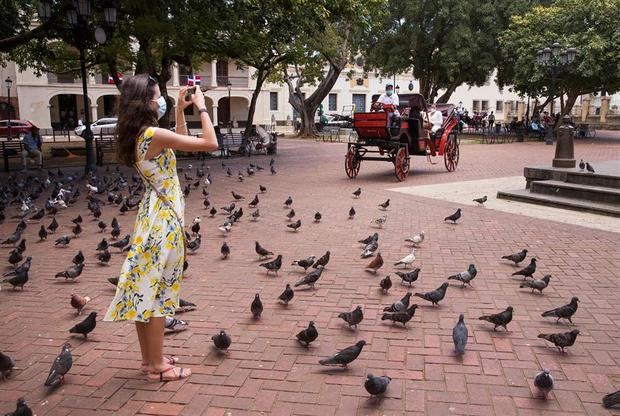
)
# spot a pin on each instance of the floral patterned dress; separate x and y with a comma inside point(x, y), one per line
point(150, 278)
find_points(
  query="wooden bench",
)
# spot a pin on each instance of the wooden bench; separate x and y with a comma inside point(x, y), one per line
point(232, 141)
point(10, 150)
point(104, 144)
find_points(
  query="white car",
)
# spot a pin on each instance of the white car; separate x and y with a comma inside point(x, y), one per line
point(108, 125)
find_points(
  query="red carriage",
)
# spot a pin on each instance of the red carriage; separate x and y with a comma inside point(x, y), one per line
point(410, 135)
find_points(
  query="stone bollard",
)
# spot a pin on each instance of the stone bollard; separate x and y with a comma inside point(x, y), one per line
point(564, 148)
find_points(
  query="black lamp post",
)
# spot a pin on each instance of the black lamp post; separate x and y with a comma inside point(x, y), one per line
point(78, 15)
point(230, 125)
point(553, 60)
point(9, 82)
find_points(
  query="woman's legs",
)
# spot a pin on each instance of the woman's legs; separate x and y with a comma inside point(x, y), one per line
point(141, 330)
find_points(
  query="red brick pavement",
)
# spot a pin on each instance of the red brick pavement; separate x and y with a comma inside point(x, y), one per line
point(266, 371)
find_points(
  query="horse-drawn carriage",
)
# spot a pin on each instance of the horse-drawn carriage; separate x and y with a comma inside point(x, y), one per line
point(408, 135)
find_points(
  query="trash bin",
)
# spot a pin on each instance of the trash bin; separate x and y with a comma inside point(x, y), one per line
point(272, 147)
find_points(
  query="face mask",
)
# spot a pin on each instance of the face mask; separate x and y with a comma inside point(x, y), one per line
point(161, 106)
point(389, 93)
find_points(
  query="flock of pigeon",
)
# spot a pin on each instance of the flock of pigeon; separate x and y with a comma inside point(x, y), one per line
point(116, 191)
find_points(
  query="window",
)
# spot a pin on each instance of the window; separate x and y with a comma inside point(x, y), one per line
point(475, 106)
point(221, 72)
point(359, 101)
point(485, 105)
point(499, 106)
point(273, 101)
point(332, 104)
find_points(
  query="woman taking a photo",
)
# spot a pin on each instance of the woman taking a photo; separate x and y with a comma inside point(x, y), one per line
point(149, 281)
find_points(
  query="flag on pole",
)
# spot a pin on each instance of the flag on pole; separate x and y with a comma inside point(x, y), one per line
point(193, 80)
point(111, 79)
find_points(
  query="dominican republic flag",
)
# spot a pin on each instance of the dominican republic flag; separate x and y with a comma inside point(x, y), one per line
point(111, 79)
point(193, 80)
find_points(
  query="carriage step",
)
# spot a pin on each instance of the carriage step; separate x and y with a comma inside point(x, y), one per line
point(577, 191)
point(524, 195)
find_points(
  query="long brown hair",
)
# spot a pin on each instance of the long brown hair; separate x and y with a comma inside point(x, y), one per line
point(134, 114)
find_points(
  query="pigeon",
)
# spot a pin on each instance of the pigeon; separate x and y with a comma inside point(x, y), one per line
point(272, 162)
point(194, 245)
point(403, 317)
point(53, 226)
point(565, 311)
point(369, 249)
point(86, 326)
point(317, 216)
point(196, 226)
point(15, 257)
point(379, 221)
point(221, 341)
point(352, 318)
point(385, 205)
point(375, 264)
point(274, 265)
point(308, 335)
point(185, 306)
point(290, 215)
point(76, 230)
point(611, 399)
point(60, 367)
point(305, 263)
point(385, 284)
point(481, 201)
point(255, 215)
point(225, 250)
point(589, 168)
point(582, 165)
point(537, 284)
point(416, 239)
point(256, 307)
point(206, 203)
point(323, 260)
point(409, 277)
point(352, 213)
point(287, 295)
point(21, 247)
point(311, 278)
point(229, 209)
point(120, 244)
point(459, 335)
point(345, 356)
point(454, 217)
point(237, 196)
point(262, 189)
point(517, 257)
point(254, 202)
point(499, 319)
point(72, 272)
point(376, 386)
point(20, 279)
point(13, 238)
point(77, 220)
point(527, 271)
point(42, 233)
point(371, 238)
point(225, 228)
point(295, 226)
point(113, 280)
point(434, 296)
point(212, 212)
point(261, 251)
point(78, 302)
point(399, 306)
point(24, 267)
point(102, 245)
point(544, 383)
point(173, 325)
point(116, 231)
point(63, 241)
point(273, 170)
point(465, 277)
point(407, 260)
point(288, 202)
point(6, 366)
point(104, 257)
point(561, 340)
point(357, 192)
point(22, 409)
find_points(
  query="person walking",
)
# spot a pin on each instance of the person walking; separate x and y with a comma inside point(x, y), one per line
point(491, 120)
point(150, 278)
point(32, 148)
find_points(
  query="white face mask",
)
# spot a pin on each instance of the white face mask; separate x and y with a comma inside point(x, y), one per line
point(161, 106)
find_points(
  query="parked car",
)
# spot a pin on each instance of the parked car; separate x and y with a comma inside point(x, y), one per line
point(19, 128)
point(106, 124)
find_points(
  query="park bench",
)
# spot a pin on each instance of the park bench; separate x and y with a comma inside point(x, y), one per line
point(232, 142)
point(10, 150)
point(103, 145)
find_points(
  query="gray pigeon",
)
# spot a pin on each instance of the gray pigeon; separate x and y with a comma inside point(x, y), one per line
point(544, 383)
point(565, 311)
point(561, 340)
point(311, 278)
point(376, 385)
point(63, 241)
point(409, 277)
point(434, 296)
point(287, 295)
point(86, 326)
point(499, 319)
point(611, 400)
point(352, 318)
point(402, 317)
point(261, 251)
point(537, 284)
point(459, 335)
point(72, 272)
point(517, 257)
point(6, 365)
point(221, 341)
point(256, 307)
point(22, 409)
point(323, 260)
point(174, 325)
point(399, 306)
point(346, 356)
point(274, 265)
point(20, 279)
point(308, 335)
point(60, 367)
point(454, 217)
point(527, 271)
point(465, 277)
point(305, 263)
point(225, 250)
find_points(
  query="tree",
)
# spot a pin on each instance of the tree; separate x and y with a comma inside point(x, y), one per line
point(588, 25)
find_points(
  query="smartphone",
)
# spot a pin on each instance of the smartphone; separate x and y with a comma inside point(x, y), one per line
point(188, 95)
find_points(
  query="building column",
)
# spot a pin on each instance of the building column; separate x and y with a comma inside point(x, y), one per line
point(585, 109)
point(604, 108)
point(214, 73)
point(214, 119)
point(175, 74)
point(507, 111)
point(93, 112)
point(520, 109)
point(92, 80)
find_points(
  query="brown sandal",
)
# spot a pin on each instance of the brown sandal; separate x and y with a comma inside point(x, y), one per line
point(168, 359)
point(177, 373)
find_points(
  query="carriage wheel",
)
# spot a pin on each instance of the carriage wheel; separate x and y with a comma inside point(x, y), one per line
point(352, 162)
point(451, 154)
point(401, 164)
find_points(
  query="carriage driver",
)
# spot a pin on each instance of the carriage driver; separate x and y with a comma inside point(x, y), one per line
point(389, 99)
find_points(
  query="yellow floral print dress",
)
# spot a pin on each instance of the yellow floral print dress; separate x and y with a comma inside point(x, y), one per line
point(150, 278)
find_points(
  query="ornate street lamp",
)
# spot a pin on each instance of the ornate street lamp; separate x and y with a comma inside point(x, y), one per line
point(9, 82)
point(229, 86)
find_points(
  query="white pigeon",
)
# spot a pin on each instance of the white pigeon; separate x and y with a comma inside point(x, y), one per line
point(196, 220)
point(379, 221)
point(91, 188)
point(225, 228)
point(416, 239)
point(407, 260)
point(25, 206)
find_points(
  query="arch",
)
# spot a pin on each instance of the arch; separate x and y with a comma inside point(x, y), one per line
point(107, 105)
point(237, 110)
point(66, 109)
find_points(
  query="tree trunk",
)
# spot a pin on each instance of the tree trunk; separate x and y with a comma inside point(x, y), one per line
point(260, 79)
point(447, 94)
point(571, 98)
point(425, 86)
